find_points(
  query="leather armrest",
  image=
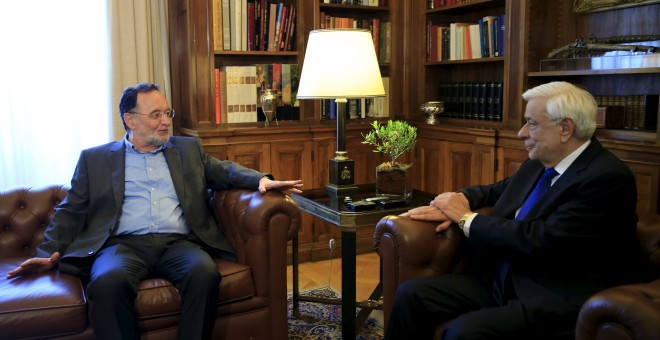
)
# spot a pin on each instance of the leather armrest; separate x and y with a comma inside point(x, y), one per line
point(623, 312)
point(259, 226)
point(410, 248)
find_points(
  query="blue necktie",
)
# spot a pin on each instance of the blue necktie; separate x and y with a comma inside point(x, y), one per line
point(502, 269)
point(542, 186)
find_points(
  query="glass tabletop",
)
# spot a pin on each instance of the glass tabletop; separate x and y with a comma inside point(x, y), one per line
point(319, 203)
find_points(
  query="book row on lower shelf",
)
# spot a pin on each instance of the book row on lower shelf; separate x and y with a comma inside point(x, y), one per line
point(636, 112)
point(472, 100)
point(238, 89)
point(360, 108)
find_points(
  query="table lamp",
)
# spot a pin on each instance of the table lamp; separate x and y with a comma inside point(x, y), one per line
point(340, 64)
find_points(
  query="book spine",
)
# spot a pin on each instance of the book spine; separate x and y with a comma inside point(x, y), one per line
point(226, 26)
point(217, 25)
point(218, 101)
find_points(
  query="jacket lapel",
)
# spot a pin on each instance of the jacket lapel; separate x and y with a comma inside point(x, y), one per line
point(173, 158)
point(576, 168)
point(117, 165)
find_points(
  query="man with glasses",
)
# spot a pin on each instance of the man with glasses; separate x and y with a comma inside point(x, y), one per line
point(137, 208)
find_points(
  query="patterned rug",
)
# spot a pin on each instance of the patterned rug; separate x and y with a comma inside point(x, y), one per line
point(323, 321)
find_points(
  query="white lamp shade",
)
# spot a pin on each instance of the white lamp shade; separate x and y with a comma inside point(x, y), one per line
point(340, 63)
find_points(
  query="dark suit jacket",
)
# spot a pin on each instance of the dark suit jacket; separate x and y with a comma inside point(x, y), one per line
point(89, 214)
point(580, 238)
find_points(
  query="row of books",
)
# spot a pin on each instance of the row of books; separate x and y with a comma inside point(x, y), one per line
point(254, 25)
point(462, 40)
point(431, 4)
point(360, 108)
point(637, 111)
point(472, 100)
point(238, 89)
point(380, 31)
point(373, 3)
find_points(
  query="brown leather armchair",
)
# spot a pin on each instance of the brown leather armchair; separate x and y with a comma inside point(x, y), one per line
point(253, 293)
point(410, 249)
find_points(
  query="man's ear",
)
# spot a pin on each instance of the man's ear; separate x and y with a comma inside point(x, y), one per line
point(128, 119)
point(567, 127)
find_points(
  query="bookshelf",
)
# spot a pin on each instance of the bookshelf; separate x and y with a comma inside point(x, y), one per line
point(601, 81)
point(479, 151)
point(293, 149)
point(454, 153)
point(549, 26)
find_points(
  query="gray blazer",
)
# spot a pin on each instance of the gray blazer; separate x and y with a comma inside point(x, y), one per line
point(90, 213)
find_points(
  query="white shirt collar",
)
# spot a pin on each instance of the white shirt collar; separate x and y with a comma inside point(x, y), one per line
point(568, 160)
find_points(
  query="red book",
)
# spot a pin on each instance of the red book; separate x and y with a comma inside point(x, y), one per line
point(218, 101)
point(280, 32)
point(277, 77)
point(250, 26)
point(290, 26)
point(262, 28)
point(375, 35)
point(292, 30)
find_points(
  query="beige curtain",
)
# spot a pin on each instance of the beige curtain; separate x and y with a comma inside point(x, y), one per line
point(140, 49)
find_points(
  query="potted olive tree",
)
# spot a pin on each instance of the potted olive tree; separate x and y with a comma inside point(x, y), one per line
point(393, 139)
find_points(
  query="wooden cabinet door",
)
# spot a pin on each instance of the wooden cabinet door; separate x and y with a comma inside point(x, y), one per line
point(509, 161)
point(366, 161)
point(292, 161)
point(428, 166)
point(289, 161)
point(459, 165)
point(646, 176)
point(253, 156)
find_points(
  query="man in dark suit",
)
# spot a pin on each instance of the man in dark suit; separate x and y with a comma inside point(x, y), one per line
point(539, 261)
point(138, 208)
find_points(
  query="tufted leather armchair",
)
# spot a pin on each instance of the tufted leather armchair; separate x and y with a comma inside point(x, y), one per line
point(252, 302)
point(411, 249)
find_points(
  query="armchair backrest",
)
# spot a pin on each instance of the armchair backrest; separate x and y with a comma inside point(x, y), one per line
point(24, 215)
point(648, 232)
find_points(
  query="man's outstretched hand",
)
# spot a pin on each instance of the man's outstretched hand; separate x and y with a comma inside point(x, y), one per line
point(287, 187)
point(35, 265)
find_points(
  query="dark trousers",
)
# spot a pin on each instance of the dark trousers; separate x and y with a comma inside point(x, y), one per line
point(468, 310)
point(126, 260)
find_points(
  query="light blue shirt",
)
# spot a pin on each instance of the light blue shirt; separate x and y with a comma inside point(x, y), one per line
point(150, 201)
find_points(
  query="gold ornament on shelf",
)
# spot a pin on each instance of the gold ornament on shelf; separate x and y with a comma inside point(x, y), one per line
point(269, 105)
point(431, 109)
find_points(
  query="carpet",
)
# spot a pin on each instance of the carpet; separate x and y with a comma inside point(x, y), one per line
point(323, 321)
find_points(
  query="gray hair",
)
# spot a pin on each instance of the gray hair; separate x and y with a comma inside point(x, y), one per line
point(566, 100)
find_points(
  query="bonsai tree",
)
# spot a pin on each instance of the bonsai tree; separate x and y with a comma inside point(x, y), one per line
point(393, 139)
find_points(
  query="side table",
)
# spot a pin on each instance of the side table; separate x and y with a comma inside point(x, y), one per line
point(318, 203)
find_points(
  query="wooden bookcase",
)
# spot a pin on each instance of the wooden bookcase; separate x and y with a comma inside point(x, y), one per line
point(533, 29)
point(292, 149)
point(449, 155)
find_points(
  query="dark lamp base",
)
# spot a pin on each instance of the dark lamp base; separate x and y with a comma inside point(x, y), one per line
point(341, 177)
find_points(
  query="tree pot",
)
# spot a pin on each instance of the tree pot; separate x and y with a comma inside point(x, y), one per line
point(394, 181)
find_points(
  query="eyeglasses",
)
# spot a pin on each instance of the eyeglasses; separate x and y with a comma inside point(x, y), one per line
point(158, 115)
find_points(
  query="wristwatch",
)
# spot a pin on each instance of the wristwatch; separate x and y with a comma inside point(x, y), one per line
point(466, 216)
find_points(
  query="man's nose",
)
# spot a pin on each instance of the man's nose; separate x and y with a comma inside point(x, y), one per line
point(523, 132)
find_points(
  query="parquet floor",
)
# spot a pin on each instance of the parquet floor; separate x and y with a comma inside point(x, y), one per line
point(328, 272)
